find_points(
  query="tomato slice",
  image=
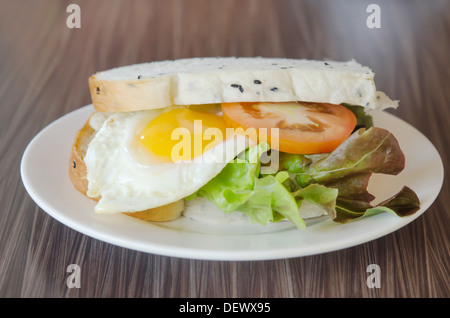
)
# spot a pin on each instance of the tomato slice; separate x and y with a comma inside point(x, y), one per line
point(303, 127)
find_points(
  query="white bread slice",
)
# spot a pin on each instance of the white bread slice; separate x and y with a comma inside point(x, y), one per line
point(230, 79)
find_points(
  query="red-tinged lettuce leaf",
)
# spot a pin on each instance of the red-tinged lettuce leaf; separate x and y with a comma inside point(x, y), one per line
point(352, 193)
point(404, 203)
point(349, 168)
point(353, 187)
point(373, 150)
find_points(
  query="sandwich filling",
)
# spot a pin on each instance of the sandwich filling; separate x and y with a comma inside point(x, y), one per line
point(268, 161)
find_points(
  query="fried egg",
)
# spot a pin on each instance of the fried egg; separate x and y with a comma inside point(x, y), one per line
point(130, 161)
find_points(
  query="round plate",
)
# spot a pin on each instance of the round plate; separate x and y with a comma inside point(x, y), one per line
point(44, 171)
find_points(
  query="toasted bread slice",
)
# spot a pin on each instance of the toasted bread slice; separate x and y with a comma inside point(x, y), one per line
point(77, 174)
point(77, 168)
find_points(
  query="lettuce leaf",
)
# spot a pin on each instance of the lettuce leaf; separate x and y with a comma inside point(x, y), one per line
point(324, 197)
point(402, 204)
point(373, 150)
point(270, 201)
point(363, 120)
point(239, 187)
point(335, 182)
point(349, 168)
point(233, 186)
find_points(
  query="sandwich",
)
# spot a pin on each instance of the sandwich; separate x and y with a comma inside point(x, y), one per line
point(256, 140)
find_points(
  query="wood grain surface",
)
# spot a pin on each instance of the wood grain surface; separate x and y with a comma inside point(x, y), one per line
point(44, 70)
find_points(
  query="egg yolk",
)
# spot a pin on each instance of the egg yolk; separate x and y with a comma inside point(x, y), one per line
point(182, 134)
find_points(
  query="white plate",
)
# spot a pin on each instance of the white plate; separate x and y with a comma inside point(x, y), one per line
point(44, 171)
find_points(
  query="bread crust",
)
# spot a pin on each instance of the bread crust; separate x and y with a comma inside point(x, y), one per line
point(78, 171)
point(77, 167)
point(127, 96)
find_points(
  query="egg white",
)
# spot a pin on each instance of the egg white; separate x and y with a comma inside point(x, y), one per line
point(129, 179)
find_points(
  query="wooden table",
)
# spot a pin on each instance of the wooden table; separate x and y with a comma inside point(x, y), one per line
point(44, 67)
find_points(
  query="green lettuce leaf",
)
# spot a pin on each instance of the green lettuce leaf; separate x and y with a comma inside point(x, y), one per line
point(270, 201)
point(324, 197)
point(240, 187)
point(233, 186)
point(363, 120)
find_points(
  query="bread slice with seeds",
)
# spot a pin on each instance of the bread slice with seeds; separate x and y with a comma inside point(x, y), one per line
point(213, 80)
